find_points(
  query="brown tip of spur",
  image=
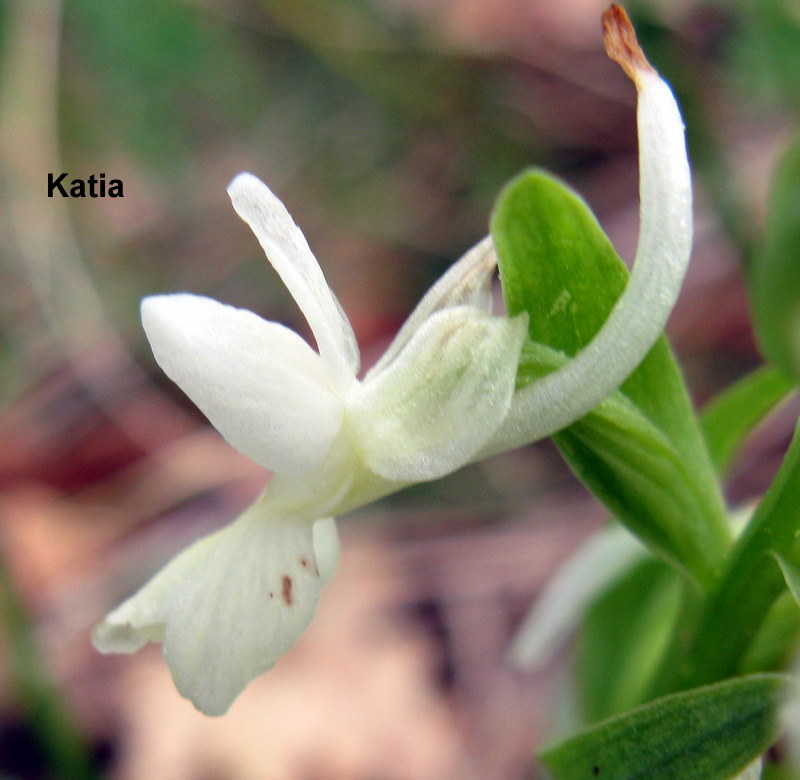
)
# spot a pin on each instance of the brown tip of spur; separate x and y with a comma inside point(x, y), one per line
point(621, 43)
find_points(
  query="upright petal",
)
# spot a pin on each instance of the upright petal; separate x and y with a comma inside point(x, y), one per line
point(289, 253)
point(225, 609)
point(662, 256)
point(263, 388)
point(467, 282)
point(441, 398)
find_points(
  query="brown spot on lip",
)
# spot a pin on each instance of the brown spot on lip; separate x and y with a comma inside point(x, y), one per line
point(621, 44)
point(304, 562)
point(286, 590)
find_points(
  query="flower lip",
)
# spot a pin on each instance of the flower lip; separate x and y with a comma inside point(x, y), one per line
point(225, 608)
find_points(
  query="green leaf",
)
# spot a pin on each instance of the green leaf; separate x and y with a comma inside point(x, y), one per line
point(711, 732)
point(623, 638)
point(638, 468)
point(791, 574)
point(774, 646)
point(752, 579)
point(732, 415)
point(641, 453)
point(780, 771)
point(775, 272)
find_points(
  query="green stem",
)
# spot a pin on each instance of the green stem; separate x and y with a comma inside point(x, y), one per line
point(61, 743)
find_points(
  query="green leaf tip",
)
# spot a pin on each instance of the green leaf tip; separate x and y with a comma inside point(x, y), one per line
point(711, 732)
point(553, 258)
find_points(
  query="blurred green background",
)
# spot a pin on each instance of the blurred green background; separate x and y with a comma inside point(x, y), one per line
point(387, 127)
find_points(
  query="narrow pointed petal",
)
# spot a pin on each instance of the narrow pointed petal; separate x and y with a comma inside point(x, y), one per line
point(467, 282)
point(441, 398)
point(263, 388)
point(288, 251)
point(225, 609)
point(662, 256)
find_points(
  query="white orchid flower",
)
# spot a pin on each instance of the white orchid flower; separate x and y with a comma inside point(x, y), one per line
point(443, 395)
point(230, 605)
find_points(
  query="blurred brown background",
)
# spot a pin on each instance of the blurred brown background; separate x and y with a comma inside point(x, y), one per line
point(387, 127)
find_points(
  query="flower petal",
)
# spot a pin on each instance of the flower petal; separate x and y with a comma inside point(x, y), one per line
point(226, 608)
point(441, 398)
point(263, 388)
point(290, 255)
point(467, 282)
